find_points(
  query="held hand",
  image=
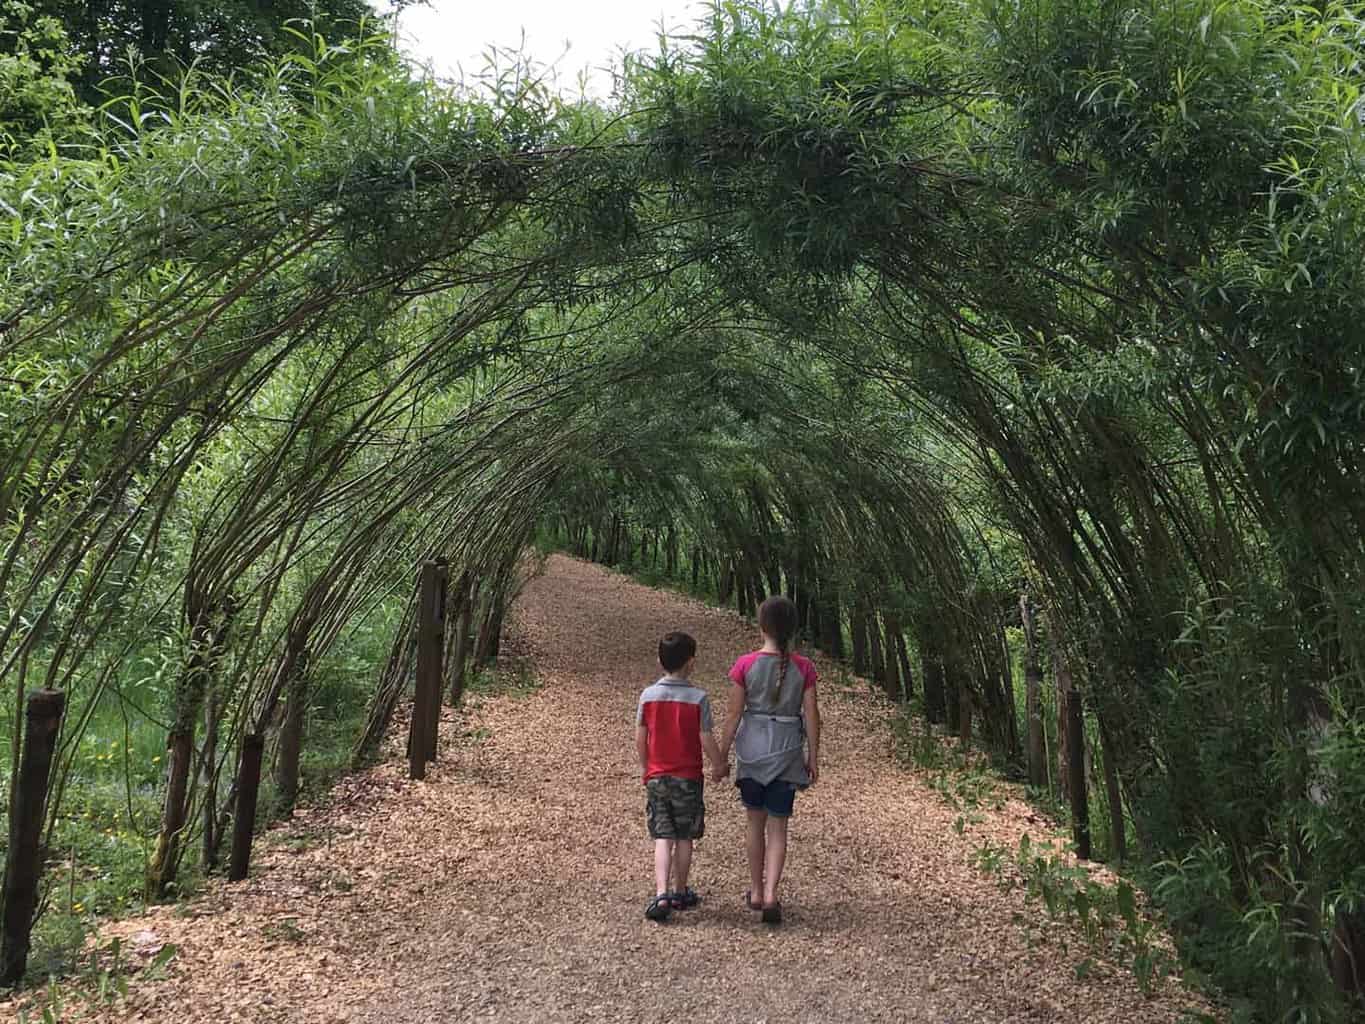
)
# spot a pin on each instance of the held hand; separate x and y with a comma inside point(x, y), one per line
point(720, 771)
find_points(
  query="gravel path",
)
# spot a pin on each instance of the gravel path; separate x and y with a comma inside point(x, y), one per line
point(510, 886)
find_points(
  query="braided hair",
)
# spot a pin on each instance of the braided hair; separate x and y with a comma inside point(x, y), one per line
point(778, 619)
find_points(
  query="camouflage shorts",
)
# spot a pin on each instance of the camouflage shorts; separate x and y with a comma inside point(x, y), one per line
point(674, 807)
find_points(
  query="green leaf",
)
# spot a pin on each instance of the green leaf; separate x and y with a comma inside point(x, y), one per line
point(1127, 902)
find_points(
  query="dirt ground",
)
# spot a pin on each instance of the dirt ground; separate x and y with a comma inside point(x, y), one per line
point(510, 886)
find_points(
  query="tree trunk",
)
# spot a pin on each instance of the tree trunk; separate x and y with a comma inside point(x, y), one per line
point(208, 635)
point(459, 645)
point(1007, 694)
point(1348, 956)
point(744, 590)
point(892, 676)
point(1118, 833)
point(832, 617)
point(1033, 698)
point(810, 615)
point(291, 731)
point(876, 659)
point(1062, 684)
point(935, 685)
point(774, 579)
point(208, 779)
point(903, 656)
point(858, 629)
point(952, 696)
point(490, 631)
point(1075, 743)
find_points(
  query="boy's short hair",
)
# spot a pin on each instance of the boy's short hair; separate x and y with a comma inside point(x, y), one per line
point(676, 650)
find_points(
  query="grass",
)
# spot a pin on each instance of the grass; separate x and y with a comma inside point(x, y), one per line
point(111, 805)
point(1107, 917)
point(512, 678)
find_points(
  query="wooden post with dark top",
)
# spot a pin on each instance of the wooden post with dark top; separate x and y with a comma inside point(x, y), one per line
point(24, 862)
point(426, 702)
point(434, 636)
point(1075, 758)
point(244, 818)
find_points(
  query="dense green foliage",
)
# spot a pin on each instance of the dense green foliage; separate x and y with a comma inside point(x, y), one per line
point(901, 308)
point(113, 39)
point(38, 105)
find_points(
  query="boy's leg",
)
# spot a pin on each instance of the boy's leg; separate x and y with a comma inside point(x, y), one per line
point(775, 858)
point(682, 864)
point(663, 863)
point(754, 844)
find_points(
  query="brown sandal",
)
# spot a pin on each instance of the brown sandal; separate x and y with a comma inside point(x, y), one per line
point(749, 901)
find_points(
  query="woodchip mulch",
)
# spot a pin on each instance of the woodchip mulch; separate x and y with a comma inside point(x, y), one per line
point(510, 885)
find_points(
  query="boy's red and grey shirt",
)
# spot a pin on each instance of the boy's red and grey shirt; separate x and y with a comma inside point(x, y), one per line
point(674, 713)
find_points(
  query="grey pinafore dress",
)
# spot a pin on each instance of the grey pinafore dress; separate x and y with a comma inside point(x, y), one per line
point(771, 737)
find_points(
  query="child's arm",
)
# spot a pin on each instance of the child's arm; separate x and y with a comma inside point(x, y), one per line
point(810, 709)
point(720, 767)
point(642, 746)
point(733, 712)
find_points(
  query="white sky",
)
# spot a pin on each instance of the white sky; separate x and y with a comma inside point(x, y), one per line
point(451, 35)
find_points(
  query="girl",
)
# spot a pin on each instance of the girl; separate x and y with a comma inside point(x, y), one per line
point(772, 710)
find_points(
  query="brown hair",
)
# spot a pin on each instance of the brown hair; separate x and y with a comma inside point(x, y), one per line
point(675, 650)
point(777, 618)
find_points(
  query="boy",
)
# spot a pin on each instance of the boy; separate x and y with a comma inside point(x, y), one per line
point(672, 728)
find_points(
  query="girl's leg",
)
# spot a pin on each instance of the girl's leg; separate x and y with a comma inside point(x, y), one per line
point(754, 846)
point(663, 861)
point(682, 864)
point(775, 858)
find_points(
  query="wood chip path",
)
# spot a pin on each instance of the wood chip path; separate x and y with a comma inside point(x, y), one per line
point(510, 885)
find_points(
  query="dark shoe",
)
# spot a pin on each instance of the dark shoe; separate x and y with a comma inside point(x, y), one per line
point(773, 914)
point(749, 900)
point(685, 900)
point(659, 908)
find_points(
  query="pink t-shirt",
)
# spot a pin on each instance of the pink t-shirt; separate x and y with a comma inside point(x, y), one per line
point(745, 662)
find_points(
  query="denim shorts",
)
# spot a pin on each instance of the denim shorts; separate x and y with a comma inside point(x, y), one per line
point(777, 797)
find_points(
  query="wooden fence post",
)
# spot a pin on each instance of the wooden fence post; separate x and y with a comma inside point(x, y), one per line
point(244, 818)
point(24, 862)
point(435, 639)
point(1075, 744)
point(426, 704)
